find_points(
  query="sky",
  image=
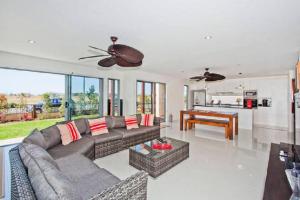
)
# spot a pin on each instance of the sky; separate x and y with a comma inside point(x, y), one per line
point(36, 83)
point(17, 81)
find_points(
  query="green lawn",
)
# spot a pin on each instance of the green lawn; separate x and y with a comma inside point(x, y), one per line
point(23, 128)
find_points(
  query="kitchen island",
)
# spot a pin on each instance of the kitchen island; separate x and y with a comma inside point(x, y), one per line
point(245, 115)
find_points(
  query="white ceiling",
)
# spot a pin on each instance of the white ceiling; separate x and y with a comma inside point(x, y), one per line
point(255, 37)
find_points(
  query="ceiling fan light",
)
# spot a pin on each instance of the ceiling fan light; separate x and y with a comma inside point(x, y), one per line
point(208, 37)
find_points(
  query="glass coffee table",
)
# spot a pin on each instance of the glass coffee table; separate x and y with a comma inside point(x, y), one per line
point(156, 162)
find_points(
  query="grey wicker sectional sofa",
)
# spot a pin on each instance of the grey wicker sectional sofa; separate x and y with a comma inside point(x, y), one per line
point(43, 168)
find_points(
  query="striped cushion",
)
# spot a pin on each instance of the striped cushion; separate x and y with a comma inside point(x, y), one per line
point(98, 126)
point(68, 132)
point(131, 122)
point(147, 120)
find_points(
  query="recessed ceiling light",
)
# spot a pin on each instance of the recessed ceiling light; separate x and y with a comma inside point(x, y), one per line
point(31, 41)
point(208, 37)
point(240, 166)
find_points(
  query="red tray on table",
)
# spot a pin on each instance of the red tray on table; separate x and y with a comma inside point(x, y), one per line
point(162, 146)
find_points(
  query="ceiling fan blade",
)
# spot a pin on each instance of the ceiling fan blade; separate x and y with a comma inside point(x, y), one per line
point(98, 49)
point(210, 79)
point(107, 62)
point(197, 77)
point(216, 76)
point(123, 63)
point(92, 57)
point(127, 53)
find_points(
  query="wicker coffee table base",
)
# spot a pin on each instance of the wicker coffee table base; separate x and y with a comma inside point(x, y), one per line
point(157, 166)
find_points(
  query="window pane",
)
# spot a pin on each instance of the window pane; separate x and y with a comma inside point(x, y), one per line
point(114, 96)
point(148, 98)
point(139, 100)
point(29, 100)
point(186, 96)
point(160, 99)
point(151, 98)
point(85, 97)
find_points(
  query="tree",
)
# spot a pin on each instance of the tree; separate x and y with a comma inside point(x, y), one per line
point(62, 107)
point(47, 102)
point(3, 101)
point(23, 100)
point(93, 97)
point(81, 102)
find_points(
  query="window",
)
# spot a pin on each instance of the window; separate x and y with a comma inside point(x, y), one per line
point(29, 100)
point(114, 104)
point(186, 96)
point(144, 97)
point(151, 98)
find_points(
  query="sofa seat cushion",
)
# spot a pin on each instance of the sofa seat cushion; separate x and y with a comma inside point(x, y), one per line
point(89, 179)
point(32, 151)
point(150, 128)
point(112, 135)
point(46, 179)
point(138, 131)
point(81, 146)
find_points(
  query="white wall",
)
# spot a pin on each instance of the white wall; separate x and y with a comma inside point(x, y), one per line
point(127, 77)
point(274, 87)
point(175, 101)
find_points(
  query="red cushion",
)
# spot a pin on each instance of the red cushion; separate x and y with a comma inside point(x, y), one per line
point(69, 132)
point(131, 122)
point(98, 126)
point(147, 120)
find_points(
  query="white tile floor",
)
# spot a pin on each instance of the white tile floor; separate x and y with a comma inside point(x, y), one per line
point(216, 168)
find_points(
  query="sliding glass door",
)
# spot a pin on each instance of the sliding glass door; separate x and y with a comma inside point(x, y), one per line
point(160, 100)
point(29, 100)
point(114, 97)
point(85, 97)
point(151, 98)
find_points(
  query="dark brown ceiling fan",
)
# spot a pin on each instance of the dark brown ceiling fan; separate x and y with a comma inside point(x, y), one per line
point(122, 55)
point(208, 76)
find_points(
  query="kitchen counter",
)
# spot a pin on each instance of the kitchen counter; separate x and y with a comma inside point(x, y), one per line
point(245, 115)
point(223, 106)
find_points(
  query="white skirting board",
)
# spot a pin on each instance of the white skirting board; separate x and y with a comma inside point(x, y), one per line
point(271, 127)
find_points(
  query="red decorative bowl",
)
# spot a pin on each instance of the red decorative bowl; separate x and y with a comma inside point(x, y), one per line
point(162, 146)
